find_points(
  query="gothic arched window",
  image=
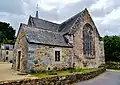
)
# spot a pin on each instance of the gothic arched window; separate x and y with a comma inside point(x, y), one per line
point(87, 40)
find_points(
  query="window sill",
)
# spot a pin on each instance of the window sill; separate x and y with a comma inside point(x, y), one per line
point(57, 61)
point(89, 57)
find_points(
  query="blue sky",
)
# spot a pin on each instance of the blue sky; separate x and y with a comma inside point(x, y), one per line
point(105, 13)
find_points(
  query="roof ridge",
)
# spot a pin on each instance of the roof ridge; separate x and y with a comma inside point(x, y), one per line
point(69, 20)
point(45, 20)
point(73, 16)
point(63, 21)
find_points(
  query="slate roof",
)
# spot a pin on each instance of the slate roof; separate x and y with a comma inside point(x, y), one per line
point(40, 36)
point(40, 31)
point(65, 26)
point(46, 25)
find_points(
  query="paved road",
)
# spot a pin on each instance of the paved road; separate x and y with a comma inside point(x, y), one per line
point(107, 78)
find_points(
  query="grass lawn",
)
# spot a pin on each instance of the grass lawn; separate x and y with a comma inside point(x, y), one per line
point(60, 73)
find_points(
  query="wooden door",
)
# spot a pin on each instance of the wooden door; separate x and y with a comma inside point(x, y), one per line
point(19, 59)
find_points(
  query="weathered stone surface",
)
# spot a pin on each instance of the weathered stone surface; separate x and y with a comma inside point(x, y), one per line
point(41, 56)
point(21, 45)
point(80, 59)
point(45, 57)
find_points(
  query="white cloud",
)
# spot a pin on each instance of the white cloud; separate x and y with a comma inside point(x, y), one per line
point(99, 4)
point(105, 13)
point(13, 19)
point(113, 16)
point(106, 16)
point(11, 6)
point(51, 4)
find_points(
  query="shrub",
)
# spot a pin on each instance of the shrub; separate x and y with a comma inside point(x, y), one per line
point(113, 65)
point(33, 71)
point(51, 73)
point(72, 70)
point(78, 70)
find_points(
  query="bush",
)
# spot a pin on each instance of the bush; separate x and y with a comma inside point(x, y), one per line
point(51, 73)
point(113, 65)
point(112, 48)
point(78, 70)
point(34, 71)
point(72, 70)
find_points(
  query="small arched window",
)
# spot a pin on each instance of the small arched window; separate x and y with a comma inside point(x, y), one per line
point(88, 40)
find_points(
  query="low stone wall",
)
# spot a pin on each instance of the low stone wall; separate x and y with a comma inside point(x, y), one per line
point(57, 80)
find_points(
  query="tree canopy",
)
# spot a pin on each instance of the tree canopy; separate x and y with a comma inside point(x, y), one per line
point(7, 33)
point(112, 48)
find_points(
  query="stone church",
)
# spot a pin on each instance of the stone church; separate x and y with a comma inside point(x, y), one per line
point(44, 45)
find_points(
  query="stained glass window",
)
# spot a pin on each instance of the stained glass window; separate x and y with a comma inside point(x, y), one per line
point(87, 40)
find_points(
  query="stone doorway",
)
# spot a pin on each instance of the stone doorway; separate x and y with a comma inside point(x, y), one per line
point(19, 60)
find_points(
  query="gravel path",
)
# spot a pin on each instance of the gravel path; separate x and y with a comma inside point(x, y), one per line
point(6, 73)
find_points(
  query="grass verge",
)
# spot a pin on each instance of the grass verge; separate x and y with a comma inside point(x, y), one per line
point(60, 73)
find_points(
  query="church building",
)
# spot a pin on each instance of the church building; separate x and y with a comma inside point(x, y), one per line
point(43, 45)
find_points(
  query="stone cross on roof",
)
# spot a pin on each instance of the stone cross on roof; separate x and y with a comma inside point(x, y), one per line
point(37, 12)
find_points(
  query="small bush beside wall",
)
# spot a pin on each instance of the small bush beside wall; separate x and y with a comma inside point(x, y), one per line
point(113, 65)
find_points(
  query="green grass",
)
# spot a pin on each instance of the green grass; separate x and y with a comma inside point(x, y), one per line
point(41, 75)
point(63, 72)
point(60, 73)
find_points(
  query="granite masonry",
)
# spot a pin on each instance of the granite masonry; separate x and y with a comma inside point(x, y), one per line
point(44, 45)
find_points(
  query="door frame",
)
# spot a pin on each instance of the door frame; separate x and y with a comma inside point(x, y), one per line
point(18, 59)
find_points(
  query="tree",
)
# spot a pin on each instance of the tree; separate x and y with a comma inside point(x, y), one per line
point(112, 48)
point(7, 33)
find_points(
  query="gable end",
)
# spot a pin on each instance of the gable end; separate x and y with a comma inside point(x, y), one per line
point(83, 19)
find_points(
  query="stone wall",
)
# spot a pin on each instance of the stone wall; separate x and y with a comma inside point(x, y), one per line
point(20, 45)
point(57, 80)
point(102, 55)
point(42, 57)
point(80, 59)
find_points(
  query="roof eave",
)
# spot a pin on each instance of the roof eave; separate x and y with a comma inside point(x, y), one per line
point(50, 44)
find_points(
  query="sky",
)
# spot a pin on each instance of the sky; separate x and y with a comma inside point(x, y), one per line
point(105, 13)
